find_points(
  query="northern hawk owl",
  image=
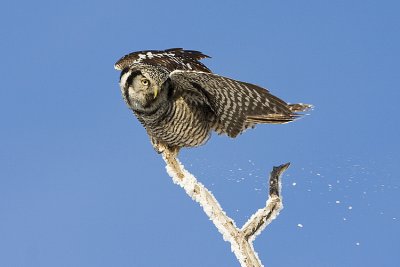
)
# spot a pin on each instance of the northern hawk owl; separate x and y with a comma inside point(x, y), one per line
point(180, 101)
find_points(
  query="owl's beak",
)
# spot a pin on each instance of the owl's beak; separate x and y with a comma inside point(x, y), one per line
point(155, 91)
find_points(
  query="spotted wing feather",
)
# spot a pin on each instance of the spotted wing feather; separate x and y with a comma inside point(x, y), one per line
point(171, 59)
point(238, 105)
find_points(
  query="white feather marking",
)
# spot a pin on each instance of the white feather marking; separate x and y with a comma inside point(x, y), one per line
point(192, 71)
point(124, 78)
point(149, 55)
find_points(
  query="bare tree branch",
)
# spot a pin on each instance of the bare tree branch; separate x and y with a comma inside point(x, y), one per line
point(240, 239)
point(259, 220)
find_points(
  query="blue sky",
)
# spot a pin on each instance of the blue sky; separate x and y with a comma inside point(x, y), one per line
point(80, 184)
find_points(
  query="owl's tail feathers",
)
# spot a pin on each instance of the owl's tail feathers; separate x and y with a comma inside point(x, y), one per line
point(281, 118)
point(272, 118)
point(300, 107)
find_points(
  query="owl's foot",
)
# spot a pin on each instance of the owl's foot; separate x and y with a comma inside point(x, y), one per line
point(174, 151)
point(161, 147)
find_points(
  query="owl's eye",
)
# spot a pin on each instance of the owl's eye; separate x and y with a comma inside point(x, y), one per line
point(145, 82)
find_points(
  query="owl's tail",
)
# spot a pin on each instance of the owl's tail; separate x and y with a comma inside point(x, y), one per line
point(300, 107)
point(277, 118)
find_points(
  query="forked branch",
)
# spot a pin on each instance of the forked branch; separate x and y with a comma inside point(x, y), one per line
point(240, 239)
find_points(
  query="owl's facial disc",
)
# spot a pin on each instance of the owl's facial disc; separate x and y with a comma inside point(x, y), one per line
point(147, 84)
point(140, 91)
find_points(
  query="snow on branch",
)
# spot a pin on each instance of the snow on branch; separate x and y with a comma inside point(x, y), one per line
point(241, 240)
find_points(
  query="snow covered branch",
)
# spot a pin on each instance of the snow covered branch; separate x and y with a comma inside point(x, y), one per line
point(240, 239)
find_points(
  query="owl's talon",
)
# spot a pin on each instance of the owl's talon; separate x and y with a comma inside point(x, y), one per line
point(159, 148)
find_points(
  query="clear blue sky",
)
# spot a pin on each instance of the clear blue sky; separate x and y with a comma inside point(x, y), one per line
point(80, 184)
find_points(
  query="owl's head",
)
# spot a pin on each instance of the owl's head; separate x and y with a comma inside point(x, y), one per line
point(144, 87)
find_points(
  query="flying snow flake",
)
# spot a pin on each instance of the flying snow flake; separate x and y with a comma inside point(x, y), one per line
point(337, 201)
point(344, 219)
point(294, 183)
point(350, 207)
point(358, 243)
point(299, 225)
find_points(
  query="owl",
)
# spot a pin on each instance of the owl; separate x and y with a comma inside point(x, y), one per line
point(180, 102)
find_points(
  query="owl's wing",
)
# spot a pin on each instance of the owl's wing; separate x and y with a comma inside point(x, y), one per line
point(171, 59)
point(238, 105)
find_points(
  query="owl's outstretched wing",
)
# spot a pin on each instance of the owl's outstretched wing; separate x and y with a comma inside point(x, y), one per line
point(238, 105)
point(171, 59)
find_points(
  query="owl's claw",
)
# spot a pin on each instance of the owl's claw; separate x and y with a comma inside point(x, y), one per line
point(158, 147)
point(161, 147)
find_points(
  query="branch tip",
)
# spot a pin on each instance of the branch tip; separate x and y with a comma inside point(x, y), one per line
point(278, 170)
